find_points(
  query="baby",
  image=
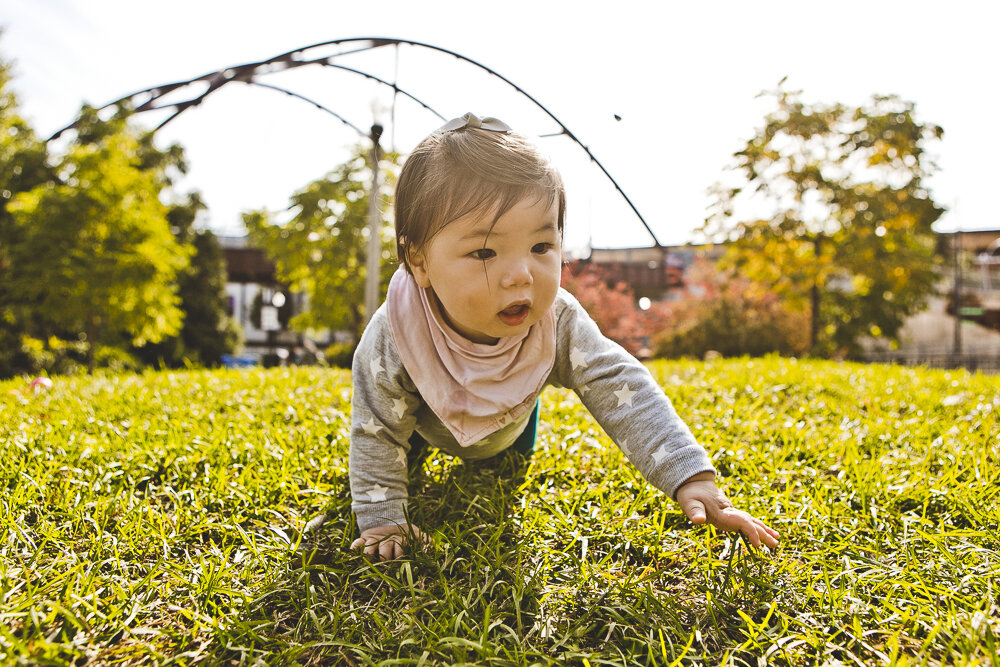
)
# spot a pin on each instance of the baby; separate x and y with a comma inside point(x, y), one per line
point(475, 325)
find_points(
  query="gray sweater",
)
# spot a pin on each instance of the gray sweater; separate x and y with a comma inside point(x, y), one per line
point(615, 387)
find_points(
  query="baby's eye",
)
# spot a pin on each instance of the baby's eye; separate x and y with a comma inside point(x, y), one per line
point(483, 254)
point(542, 248)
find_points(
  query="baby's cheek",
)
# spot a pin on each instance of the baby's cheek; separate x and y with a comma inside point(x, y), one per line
point(477, 307)
point(549, 291)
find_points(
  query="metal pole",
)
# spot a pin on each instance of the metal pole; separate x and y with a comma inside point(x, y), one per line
point(956, 240)
point(373, 263)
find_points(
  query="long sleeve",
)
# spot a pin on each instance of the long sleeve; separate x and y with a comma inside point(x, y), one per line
point(382, 420)
point(625, 400)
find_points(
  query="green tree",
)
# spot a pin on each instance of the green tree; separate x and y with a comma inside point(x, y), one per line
point(846, 230)
point(94, 252)
point(208, 331)
point(320, 252)
point(23, 166)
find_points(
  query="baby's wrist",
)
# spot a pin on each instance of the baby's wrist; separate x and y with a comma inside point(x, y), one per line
point(705, 476)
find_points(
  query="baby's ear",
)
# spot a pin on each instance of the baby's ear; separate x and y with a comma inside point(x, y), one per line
point(418, 267)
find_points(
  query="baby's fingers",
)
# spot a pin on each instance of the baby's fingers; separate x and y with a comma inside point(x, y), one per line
point(695, 511)
point(372, 545)
point(756, 530)
point(390, 548)
point(737, 520)
point(769, 535)
point(749, 529)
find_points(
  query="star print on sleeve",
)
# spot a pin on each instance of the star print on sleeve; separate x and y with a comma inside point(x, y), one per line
point(660, 454)
point(623, 445)
point(582, 390)
point(399, 407)
point(377, 493)
point(370, 427)
point(578, 358)
point(376, 366)
point(624, 395)
point(400, 457)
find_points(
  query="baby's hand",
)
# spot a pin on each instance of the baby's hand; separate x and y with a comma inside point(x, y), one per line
point(702, 501)
point(387, 541)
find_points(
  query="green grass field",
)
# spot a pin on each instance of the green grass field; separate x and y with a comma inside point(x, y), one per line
point(162, 519)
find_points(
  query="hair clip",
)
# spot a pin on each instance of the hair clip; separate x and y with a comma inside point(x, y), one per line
point(474, 121)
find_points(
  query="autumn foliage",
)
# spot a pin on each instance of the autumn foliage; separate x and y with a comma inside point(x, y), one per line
point(732, 316)
point(712, 312)
point(613, 306)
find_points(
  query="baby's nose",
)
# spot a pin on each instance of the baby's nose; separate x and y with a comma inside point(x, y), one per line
point(518, 273)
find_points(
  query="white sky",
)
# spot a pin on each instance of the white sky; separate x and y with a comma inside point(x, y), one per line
point(683, 77)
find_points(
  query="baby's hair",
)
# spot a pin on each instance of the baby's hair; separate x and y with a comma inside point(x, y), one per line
point(456, 173)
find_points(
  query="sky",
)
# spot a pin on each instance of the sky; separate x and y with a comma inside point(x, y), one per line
point(662, 93)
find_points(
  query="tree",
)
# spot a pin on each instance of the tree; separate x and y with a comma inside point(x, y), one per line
point(320, 252)
point(23, 166)
point(208, 331)
point(94, 252)
point(846, 234)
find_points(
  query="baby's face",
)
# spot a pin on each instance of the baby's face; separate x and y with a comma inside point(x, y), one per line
point(494, 283)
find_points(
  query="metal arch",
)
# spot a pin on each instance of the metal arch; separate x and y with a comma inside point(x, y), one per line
point(312, 102)
point(246, 73)
point(384, 83)
point(377, 42)
point(217, 79)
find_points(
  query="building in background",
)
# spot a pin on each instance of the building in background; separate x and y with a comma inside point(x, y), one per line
point(970, 284)
point(263, 306)
point(658, 274)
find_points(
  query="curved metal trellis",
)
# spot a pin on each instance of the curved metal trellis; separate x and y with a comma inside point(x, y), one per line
point(316, 104)
point(248, 72)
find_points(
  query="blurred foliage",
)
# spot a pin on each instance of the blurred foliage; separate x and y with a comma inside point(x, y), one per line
point(321, 251)
point(208, 331)
point(731, 316)
point(613, 306)
point(55, 356)
point(23, 166)
point(847, 235)
point(95, 270)
point(340, 355)
point(94, 253)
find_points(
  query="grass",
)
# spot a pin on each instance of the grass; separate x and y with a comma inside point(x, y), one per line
point(161, 518)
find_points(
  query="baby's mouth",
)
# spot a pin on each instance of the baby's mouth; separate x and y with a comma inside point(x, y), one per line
point(514, 315)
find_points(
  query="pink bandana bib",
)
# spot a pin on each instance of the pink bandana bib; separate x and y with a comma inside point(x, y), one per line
point(475, 389)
